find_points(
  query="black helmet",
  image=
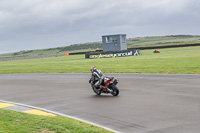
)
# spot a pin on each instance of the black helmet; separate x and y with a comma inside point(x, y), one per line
point(92, 68)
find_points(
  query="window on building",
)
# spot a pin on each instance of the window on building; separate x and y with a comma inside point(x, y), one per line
point(111, 39)
point(108, 39)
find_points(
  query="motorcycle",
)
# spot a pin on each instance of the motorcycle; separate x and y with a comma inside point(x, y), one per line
point(110, 84)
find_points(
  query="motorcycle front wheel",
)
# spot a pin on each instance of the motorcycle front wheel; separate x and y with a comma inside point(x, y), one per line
point(115, 90)
point(96, 91)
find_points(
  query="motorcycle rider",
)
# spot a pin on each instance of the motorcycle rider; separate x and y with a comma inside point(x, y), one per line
point(98, 76)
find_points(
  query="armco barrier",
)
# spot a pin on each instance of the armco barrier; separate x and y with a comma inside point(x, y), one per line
point(168, 46)
point(151, 47)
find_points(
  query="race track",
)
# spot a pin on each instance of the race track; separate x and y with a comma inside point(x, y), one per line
point(147, 103)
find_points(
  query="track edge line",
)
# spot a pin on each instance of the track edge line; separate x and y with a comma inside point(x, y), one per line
point(60, 114)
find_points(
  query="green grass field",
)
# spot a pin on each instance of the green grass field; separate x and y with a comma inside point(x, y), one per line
point(182, 62)
point(17, 122)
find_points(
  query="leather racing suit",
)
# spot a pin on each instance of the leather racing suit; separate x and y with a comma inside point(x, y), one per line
point(98, 76)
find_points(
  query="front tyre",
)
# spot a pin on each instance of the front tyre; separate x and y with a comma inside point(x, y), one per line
point(115, 90)
point(96, 91)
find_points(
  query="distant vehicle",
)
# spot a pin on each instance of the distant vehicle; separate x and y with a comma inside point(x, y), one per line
point(110, 83)
point(156, 51)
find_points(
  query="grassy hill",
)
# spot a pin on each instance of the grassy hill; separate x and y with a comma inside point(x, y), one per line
point(131, 42)
point(162, 40)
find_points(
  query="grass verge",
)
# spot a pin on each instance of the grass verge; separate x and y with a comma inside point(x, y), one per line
point(166, 62)
point(17, 122)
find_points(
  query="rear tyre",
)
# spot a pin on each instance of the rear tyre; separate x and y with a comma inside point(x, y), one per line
point(115, 90)
point(96, 91)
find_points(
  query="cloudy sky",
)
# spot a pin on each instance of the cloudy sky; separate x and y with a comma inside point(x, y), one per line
point(36, 24)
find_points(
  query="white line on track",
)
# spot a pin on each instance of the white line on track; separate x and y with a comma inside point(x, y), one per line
point(60, 114)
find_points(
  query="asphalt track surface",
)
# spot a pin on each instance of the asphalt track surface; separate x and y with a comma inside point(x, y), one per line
point(147, 103)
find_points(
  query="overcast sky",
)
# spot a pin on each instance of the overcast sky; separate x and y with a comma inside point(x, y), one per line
point(36, 24)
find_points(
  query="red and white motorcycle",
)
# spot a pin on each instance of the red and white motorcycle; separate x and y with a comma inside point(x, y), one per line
point(110, 84)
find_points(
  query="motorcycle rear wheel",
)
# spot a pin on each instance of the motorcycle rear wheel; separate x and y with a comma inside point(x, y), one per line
point(115, 90)
point(96, 91)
